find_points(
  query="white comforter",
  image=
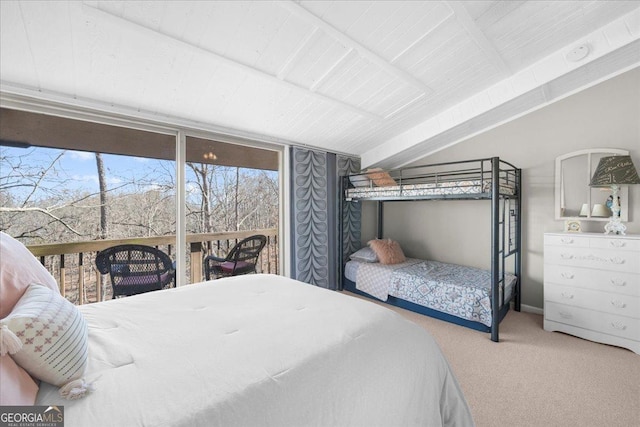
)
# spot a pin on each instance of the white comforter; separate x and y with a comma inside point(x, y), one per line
point(259, 350)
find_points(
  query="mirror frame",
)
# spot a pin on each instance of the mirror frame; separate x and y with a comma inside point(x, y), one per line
point(587, 154)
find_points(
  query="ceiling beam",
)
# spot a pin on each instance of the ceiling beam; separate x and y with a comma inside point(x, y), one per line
point(238, 65)
point(470, 26)
point(422, 37)
point(300, 50)
point(349, 42)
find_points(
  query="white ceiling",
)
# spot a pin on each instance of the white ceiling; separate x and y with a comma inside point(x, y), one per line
point(390, 81)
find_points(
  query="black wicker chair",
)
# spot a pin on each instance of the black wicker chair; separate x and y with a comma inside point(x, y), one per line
point(242, 259)
point(135, 269)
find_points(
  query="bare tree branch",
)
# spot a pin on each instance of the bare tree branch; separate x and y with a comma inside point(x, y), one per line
point(44, 211)
point(43, 174)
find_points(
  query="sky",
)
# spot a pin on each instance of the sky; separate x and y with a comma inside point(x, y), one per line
point(79, 171)
point(79, 168)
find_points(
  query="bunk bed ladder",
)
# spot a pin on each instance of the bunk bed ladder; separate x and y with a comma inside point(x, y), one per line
point(495, 247)
point(518, 240)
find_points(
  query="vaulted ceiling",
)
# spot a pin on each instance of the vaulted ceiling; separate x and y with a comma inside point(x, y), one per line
point(390, 81)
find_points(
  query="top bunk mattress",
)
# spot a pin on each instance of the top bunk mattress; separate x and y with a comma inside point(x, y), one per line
point(449, 188)
point(464, 179)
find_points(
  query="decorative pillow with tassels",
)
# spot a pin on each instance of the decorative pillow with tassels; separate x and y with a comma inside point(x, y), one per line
point(47, 336)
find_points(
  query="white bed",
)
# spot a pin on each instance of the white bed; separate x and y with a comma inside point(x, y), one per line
point(259, 350)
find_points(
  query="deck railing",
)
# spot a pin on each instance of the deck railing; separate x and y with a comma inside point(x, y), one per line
point(73, 264)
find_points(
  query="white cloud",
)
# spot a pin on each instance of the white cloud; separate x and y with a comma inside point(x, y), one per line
point(94, 178)
point(85, 178)
point(81, 155)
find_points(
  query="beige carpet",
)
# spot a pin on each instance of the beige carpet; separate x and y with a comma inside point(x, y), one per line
point(538, 378)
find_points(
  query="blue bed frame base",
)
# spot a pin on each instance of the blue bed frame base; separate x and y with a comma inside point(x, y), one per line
point(407, 305)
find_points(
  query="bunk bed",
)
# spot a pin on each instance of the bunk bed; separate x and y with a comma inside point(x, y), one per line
point(490, 179)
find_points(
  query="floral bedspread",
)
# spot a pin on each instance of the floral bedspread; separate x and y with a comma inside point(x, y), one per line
point(454, 289)
point(374, 278)
point(458, 290)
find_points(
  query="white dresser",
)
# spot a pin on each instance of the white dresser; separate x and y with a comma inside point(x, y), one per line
point(592, 287)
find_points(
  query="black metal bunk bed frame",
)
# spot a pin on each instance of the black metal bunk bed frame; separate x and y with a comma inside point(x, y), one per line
point(480, 179)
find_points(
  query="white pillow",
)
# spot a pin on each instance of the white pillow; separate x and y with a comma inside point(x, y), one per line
point(47, 336)
point(360, 181)
point(364, 255)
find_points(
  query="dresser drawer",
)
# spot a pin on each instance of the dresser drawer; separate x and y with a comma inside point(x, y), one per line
point(611, 324)
point(623, 305)
point(610, 260)
point(602, 280)
point(621, 244)
point(592, 240)
point(566, 240)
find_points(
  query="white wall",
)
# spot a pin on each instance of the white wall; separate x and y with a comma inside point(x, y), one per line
point(604, 116)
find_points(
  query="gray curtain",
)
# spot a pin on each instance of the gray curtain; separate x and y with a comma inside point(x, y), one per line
point(314, 212)
point(351, 211)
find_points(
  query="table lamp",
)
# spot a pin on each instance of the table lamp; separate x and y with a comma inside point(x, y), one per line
point(612, 172)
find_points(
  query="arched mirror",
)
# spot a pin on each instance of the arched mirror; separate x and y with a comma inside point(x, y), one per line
point(574, 198)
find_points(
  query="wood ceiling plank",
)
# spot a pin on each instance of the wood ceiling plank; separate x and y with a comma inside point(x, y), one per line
point(15, 45)
point(347, 41)
point(478, 36)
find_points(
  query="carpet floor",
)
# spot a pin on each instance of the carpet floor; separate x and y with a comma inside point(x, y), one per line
point(537, 378)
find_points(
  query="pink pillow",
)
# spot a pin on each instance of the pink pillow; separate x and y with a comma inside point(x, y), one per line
point(380, 178)
point(387, 251)
point(16, 387)
point(18, 269)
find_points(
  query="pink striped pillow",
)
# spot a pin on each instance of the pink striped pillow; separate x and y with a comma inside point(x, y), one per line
point(47, 336)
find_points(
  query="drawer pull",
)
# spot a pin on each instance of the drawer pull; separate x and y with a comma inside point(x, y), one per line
point(567, 240)
point(615, 282)
point(618, 304)
point(617, 260)
point(567, 295)
point(566, 256)
point(566, 275)
point(619, 325)
point(565, 315)
point(617, 243)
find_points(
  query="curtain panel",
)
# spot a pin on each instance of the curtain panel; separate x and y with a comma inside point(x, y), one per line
point(351, 212)
point(314, 213)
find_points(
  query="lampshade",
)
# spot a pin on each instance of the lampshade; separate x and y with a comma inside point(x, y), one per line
point(585, 210)
point(601, 211)
point(614, 170)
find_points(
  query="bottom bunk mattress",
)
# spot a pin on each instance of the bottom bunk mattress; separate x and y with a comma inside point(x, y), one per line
point(259, 350)
point(457, 290)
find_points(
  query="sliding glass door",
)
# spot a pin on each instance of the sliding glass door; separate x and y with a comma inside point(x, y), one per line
point(70, 188)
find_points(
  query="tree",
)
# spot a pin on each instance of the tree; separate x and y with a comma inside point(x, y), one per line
point(127, 203)
point(104, 227)
point(34, 189)
point(204, 174)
